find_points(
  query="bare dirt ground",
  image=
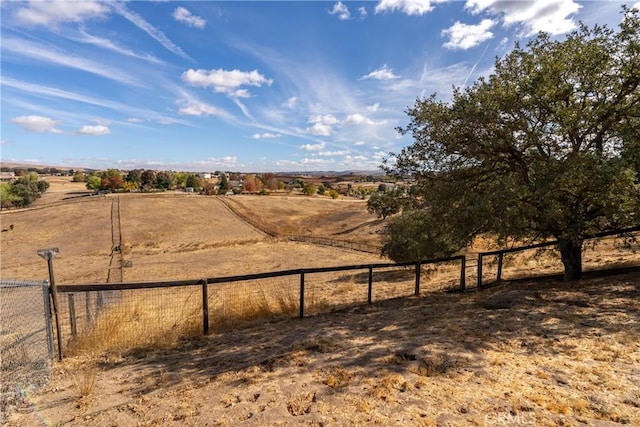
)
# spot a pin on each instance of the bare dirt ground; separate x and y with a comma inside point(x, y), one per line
point(532, 353)
point(538, 353)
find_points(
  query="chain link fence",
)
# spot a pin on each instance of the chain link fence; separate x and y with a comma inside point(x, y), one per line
point(26, 341)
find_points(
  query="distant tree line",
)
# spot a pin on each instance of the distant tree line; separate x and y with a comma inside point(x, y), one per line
point(218, 183)
point(22, 192)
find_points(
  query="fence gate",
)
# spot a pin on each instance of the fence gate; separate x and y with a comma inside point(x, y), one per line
point(26, 341)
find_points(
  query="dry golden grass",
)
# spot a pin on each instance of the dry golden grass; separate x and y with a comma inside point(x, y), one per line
point(544, 361)
point(539, 353)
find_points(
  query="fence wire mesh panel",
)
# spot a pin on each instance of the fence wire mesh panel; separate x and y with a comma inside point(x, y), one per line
point(329, 291)
point(26, 346)
point(236, 304)
point(393, 282)
point(612, 252)
point(119, 320)
point(439, 277)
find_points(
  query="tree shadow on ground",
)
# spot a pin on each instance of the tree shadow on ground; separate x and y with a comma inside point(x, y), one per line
point(542, 317)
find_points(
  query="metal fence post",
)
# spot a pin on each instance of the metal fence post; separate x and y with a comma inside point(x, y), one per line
point(47, 319)
point(370, 293)
point(48, 254)
point(301, 294)
point(479, 271)
point(463, 273)
point(500, 258)
point(417, 290)
point(72, 316)
point(205, 307)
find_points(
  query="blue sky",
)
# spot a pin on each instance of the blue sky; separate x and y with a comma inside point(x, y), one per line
point(246, 86)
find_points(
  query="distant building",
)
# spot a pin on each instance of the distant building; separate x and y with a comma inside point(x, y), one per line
point(7, 176)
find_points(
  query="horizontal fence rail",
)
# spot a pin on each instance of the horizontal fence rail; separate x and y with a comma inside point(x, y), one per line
point(84, 303)
point(223, 302)
point(500, 253)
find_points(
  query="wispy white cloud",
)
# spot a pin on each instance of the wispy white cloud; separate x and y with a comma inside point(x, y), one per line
point(46, 13)
point(134, 120)
point(363, 12)
point(341, 10)
point(38, 124)
point(110, 45)
point(227, 82)
point(463, 36)
point(183, 15)
point(384, 73)
point(226, 162)
point(97, 130)
point(314, 147)
point(409, 7)
point(54, 56)
point(156, 34)
point(333, 153)
point(536, 15)
point(265, 135)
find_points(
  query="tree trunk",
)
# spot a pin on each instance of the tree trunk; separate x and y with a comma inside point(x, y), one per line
point(571, 254)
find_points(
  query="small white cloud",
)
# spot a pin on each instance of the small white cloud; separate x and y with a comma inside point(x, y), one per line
point(94, 130)
point(636, 6)
point(409, 7)
point(341, 10)
point(322, 124)
point(373, 108)
point(363, 11)
point(265, 135)
point(183, 15)
point(134, 120)
point(383, 73)
point(359, 143)
point(291, 102)
point(313, 147)
point(359, 119)
point(227, 82)
point(463, 36)
point(165, 120)
point(37, 124)
point(197, 108)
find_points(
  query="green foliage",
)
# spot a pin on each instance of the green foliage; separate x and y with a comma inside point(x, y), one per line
point(418, 235)
point(164, 180)
point(194, 182)
point(224, 184)
point(309, 189)
point(545, 147)
point(93, 182)
point(23, 191)
point(334, 194)
point(321, 190)
point(386, 204)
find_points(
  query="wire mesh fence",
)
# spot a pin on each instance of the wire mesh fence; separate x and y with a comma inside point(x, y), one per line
point(98, 321)
point(26, 344)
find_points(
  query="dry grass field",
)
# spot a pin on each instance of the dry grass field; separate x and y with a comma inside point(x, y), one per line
point(532, 353)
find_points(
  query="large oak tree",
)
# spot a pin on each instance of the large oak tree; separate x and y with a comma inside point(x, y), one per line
point(547, 146)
